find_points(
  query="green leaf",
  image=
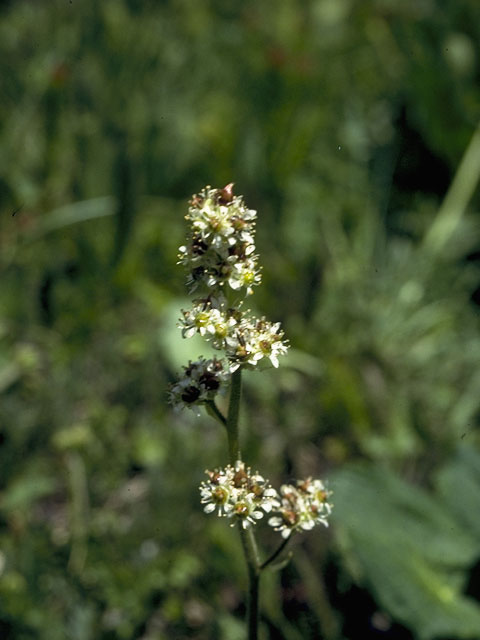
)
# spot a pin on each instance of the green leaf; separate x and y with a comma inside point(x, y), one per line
point(177, 350)
point(25, 490)
point(409, 549)
point(459, 485)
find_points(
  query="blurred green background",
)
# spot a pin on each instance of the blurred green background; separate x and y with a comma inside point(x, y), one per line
point(344, 123)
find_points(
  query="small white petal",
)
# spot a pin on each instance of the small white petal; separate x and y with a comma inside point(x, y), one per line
point(275, 521)
point(270, 493)
point(209, 508)
point(274, 360)
point(235, 284)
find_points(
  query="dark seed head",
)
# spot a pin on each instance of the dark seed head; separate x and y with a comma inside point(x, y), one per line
point(191, 394)
point(209, 381)
point(199, 247)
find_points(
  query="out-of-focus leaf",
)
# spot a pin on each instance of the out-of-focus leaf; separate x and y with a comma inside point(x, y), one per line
point(459, 485)
point(9, 373)
point(25, 490)
point(73, 213)
point(409, 549)
point(178, 350)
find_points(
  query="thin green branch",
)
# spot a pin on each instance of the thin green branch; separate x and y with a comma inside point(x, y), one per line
point(275, 554)
point(247, 537)
point(233, 415)
point(215, 412)
point(251, 556)
point(250, 547)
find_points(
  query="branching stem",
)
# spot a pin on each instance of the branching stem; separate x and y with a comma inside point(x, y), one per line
point(215, 412)
point(275, 554)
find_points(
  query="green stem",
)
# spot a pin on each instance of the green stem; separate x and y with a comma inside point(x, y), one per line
point(251, 556)
point(249, 545)
point(215, 412)
point(232, 417)
point(252, 611)
point(275, 554)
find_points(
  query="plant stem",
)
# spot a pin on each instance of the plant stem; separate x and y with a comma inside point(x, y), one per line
point(251, 556)
point(275, 554)
point(215, 412)
point(232, 417)
point(249, 545)
point(252, 610)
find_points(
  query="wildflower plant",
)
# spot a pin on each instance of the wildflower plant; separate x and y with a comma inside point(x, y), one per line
point(222, 270)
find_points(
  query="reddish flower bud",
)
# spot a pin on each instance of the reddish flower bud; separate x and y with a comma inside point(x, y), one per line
point(225, 195)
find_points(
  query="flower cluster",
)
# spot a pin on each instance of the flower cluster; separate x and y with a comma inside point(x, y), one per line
point(236, 493)
point(302, 507)
point(239, 494)
point(221, 248)
point(221, 262)
point(201, 381)
point(244, 340)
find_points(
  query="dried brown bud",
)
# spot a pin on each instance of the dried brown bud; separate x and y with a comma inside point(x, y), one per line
point(196, 201)
point(225, 195)
point(240, 478)
point(303, 485)
point(214, 476)
point(289, 517)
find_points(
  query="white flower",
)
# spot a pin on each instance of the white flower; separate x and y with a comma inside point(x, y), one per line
point(221, 247)
point(245, 511)
point(253, 339)
point(302, 507)
point(214, 323)
point(238, 494)
point(244, 275)
point(216, 493)
point(220, 256)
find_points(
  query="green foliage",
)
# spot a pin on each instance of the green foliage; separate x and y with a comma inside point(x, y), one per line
point(411, 550)
point(350, 126)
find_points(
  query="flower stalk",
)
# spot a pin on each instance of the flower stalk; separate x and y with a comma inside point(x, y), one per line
point(247, 536)
point(233, 416)
point(215, 412)
point(251, 557)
